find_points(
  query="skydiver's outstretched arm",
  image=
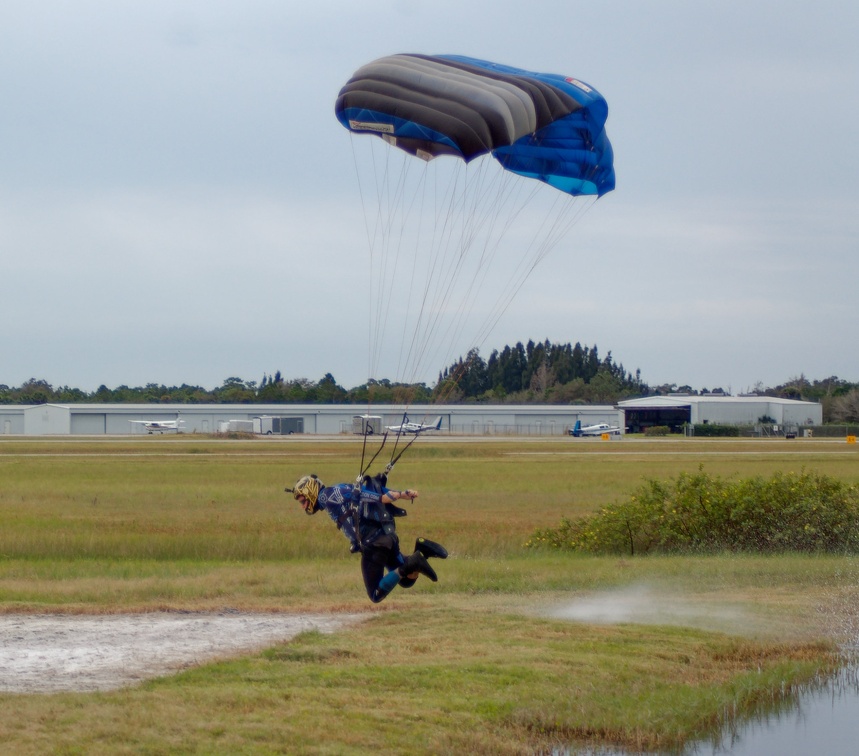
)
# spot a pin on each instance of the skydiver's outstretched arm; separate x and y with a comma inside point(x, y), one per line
point(390, 497)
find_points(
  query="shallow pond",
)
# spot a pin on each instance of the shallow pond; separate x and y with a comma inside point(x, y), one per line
point(823, 720)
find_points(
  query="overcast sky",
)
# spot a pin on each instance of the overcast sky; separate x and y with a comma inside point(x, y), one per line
point(175, 190)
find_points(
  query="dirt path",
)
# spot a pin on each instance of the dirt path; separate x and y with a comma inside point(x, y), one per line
point(51, 653)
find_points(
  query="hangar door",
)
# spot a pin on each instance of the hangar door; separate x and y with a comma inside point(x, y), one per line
point(637, 419)
point(89, 425)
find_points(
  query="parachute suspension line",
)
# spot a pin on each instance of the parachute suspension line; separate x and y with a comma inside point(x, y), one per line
point(384, 267)
point(440, 270)
point(406, 343)
point(394, 460)
point(469, 228)
point(389, 196)
point(448, 240)
point(366, 467)
point(453, 236)
point(460, 221)
point(363, 450)
point(497, 204)
point(389, 251)
point(495, 201)
point(373, 230)
point(490, 210)
point(437, 279)
point(385, 212)
point(369, 234)
point(381, 289)
point(561, 223)
point(432, 298)
point(555, 225)
point(465, 270)
point(433, 279)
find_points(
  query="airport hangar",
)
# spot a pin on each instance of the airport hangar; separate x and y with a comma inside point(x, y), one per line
point(675, 410)
point(318, 419)
point(467, 419)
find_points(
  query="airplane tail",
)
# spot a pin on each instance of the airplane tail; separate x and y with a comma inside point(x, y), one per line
point(437, 423)
point(577, 428)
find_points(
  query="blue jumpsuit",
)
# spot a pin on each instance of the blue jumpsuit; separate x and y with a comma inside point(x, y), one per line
point(337, 502)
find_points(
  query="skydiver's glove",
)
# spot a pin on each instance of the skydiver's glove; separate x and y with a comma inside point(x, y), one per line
point(354, 548)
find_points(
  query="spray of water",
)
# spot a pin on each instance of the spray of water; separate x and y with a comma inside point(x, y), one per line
point(651, 605)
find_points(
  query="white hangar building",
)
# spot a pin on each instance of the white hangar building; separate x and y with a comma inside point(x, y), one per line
point(321, 419)
point(675, 410)
point(467, 419)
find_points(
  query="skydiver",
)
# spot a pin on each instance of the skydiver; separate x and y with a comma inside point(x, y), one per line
point(376, 536)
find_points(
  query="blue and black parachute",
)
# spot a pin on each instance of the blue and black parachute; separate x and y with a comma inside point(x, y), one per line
point(543, 126)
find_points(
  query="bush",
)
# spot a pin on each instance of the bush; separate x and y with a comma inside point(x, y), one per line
point(804, 512)
point(702, 429)
point(657, 430)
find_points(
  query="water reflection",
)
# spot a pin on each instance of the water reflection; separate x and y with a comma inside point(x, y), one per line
point(822, 719)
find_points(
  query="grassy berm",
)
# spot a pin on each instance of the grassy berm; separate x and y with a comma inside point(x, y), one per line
point(514, 650)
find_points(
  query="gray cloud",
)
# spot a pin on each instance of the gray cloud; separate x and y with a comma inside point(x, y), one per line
point(174, 187)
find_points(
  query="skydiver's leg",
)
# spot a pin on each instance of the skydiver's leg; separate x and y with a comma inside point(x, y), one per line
point(407, 581)
point(373, 563)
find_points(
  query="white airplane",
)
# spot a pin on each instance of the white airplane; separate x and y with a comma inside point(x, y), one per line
point(160, 426)
point(409, 427)
point(594, 430)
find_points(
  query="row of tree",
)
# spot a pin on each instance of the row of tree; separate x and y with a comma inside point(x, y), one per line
point(539, 372)
point(536, 372)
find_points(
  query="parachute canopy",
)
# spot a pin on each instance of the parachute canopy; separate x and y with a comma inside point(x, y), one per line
point(542, 126)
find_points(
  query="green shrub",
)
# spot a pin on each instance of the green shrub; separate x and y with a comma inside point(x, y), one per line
point(708, 429)
point(805, 512)
point(657, 430)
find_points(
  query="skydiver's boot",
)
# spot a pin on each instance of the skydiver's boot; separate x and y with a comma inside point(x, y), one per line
point(430, 548)
point(417, 563)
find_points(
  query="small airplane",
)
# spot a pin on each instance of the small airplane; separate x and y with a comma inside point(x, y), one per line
point(409, 427)
point(594, 430)
point(160, 426)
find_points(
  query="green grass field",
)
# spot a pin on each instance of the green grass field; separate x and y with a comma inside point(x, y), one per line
point(479, 662)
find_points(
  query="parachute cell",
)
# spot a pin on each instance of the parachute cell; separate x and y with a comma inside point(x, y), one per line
point(542, 126)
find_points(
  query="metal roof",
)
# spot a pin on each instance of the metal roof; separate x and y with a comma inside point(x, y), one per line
point(356, 409)
point(671, 400)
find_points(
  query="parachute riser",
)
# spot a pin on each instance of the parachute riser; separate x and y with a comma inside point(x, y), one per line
point(365, 468)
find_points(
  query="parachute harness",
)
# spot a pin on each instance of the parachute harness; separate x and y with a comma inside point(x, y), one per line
point(356, 489)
